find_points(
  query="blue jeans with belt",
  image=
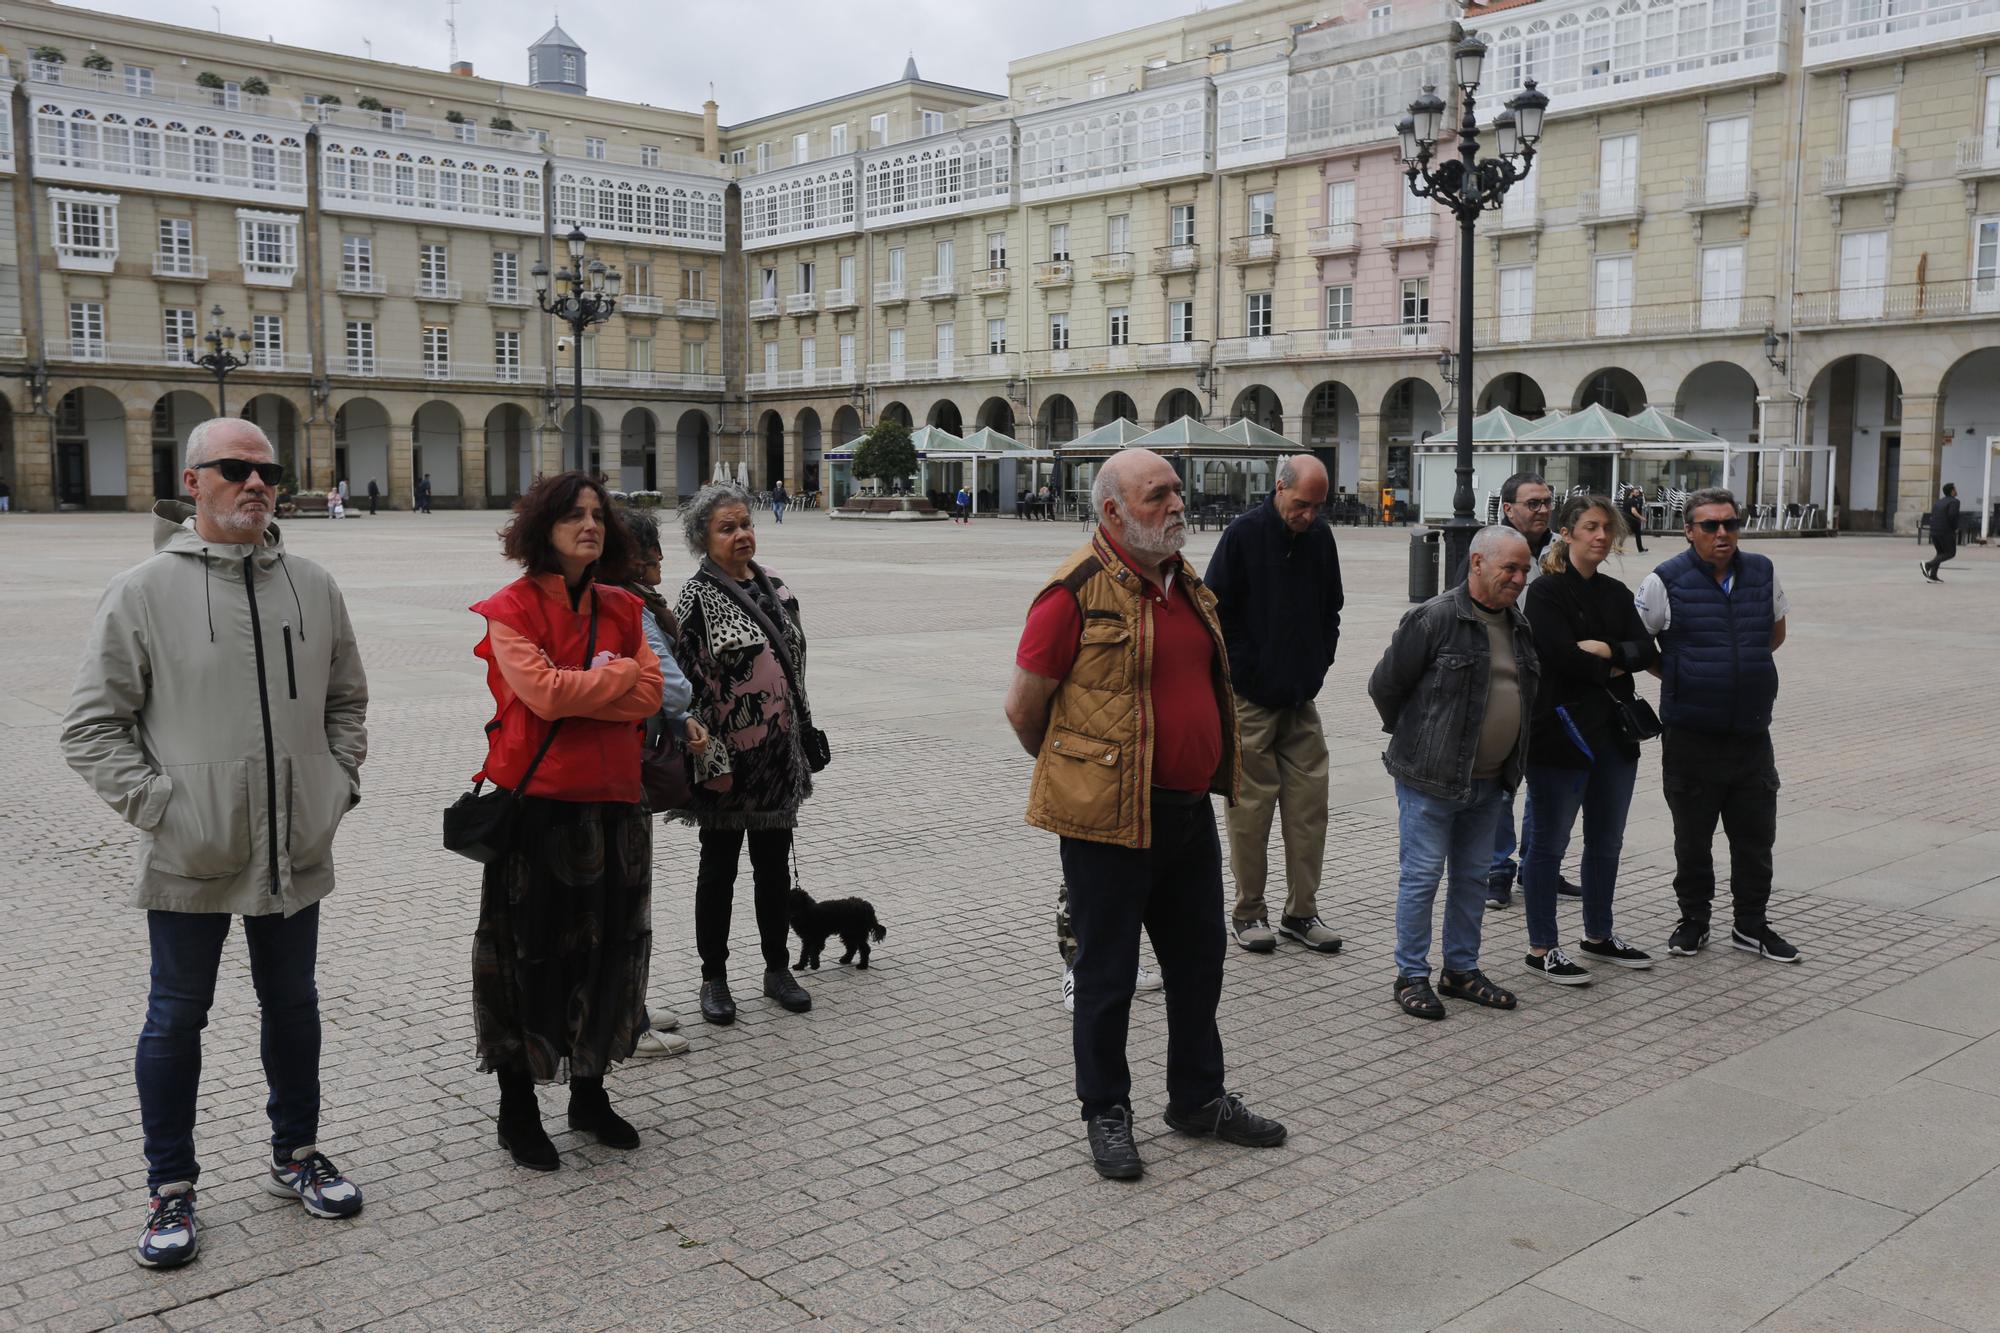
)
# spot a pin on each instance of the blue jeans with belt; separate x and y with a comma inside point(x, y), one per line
point(1440, 837)
point(187, 954)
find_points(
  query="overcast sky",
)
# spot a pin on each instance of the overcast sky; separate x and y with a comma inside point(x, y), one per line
point(761, 55)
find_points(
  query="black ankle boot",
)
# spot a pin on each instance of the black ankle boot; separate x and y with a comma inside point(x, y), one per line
point(590, 1111)
point(521, 1131)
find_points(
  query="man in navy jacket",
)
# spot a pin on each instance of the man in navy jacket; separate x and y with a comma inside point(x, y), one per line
point(1276, 578)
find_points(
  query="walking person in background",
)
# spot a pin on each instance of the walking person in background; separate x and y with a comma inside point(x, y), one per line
point(1526, 505)
point(1944, 532)
point(221, 673)
point(1590, 640)
point(742, 644)
point(565, 913)
point(1635, 516)
point(1455, 691)
point(1719, 614)
point(779, 499)
point(374, 495)
point(6, 495)
point(424, 494)
point(1276, 577)
point(962, 506)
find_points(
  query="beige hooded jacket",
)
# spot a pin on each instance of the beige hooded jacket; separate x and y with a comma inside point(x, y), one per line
point(221, 710)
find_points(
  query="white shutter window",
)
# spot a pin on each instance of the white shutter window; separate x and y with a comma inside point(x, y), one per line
point(1871, 136)
point(946, 263)
point(1990, 140)
point(1986, 265)
point(1864, 273)
point(1517, 303)
point(947, 347)
point(1727, 169)
point(1613, 296)
point(770, 361)
point(1118, 233)
point(808, 356)
point(1517, 209)
point(847, 356)
point(896, 346)
point(1340, 203)
point(1721, 286)
point(1617, 173)
point(996, 336)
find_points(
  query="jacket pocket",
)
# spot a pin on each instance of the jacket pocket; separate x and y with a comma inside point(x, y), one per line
point(1103, 655)
point(205, 832)
point(319, 795)
point(1083, 775)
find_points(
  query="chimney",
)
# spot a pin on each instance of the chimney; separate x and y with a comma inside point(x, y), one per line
point(461, 69)
point(711, 142)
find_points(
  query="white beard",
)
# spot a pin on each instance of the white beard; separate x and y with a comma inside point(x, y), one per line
point(1157, 541)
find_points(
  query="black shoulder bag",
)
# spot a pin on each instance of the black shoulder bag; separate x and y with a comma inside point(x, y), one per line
point(479, 824)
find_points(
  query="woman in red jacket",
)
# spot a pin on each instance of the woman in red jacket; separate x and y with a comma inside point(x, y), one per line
point(565, 935)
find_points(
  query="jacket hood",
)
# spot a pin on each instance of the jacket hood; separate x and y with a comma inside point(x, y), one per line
point(173, 530)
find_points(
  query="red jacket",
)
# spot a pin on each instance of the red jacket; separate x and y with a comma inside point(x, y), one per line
point(591, 760)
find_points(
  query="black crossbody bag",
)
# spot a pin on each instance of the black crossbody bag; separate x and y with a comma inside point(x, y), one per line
point(479, 824)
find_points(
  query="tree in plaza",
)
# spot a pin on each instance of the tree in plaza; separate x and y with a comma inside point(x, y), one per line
point(886, 454)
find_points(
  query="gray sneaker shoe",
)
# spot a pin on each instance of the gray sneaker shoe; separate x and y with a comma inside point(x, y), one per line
point(1311, 932)
point(1256, 936)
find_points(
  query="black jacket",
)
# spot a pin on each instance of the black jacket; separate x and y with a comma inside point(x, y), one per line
point(1564, 609)
point(1278, 595)
point(1944, 521)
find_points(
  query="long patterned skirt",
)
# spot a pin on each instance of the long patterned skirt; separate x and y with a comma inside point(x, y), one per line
point(565, 938)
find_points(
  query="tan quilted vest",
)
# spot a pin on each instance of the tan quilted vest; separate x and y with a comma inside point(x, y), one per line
point(1093, 777)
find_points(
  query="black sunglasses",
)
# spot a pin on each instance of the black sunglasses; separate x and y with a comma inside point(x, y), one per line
point(1720, 524)
point(236, 471)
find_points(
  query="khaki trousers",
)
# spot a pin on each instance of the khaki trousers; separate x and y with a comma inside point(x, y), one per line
point(1284, 771)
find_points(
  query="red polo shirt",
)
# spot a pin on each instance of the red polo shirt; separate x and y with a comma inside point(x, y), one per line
point(1186, 726)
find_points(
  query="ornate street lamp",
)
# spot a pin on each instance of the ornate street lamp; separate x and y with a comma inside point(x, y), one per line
point(1468, 185)
point(221, 359)
point(586, 294)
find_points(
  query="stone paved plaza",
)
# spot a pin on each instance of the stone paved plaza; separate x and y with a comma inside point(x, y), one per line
point(1705, 1146)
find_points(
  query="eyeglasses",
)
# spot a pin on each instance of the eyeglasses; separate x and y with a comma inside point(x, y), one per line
point(1714, 525)
point(1536, 504)
point(236, 471)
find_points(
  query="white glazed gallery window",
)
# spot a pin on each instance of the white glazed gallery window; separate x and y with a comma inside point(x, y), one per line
point(694, 358)
point(176, 256)
point(86, 330)
point(507, 356)
point(437, 352)
point(177, 335)
point(593, 148)
point(1612, 296)
point(506, 275)
point(996, 336)
point(1180, 225)
point(1257, 315)
point(86, 230)
point(1180, 321)
point(1059, 333)
point(1118, 325)
point(267, 245)
point(1517, 303)
point(138, 80)
point(1721, 286)
point(360, 347)
point(267, 342)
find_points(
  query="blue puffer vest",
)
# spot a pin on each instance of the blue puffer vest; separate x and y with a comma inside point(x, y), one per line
point(1716, 668)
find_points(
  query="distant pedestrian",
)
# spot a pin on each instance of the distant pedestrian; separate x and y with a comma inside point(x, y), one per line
point(333, 506)
point(374, 495)
point(1719, 614)
point(342, 488)
point(1121, 692)
point(1526, 504)
point(564, 939)
point(1276, 577)
point(1455, 691)
point(6, 495)
point(779, 499)
point(424, 494)
point(1944, 531)
point(221, 709)
point(962, 506)
point(1635, 516)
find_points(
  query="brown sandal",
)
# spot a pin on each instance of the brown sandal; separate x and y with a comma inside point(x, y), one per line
point(1475, 987)
point(1415, 997)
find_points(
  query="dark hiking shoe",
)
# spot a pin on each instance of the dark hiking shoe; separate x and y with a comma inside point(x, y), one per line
point(1228, 1119)
point(1112, 1151)
point(783, 987)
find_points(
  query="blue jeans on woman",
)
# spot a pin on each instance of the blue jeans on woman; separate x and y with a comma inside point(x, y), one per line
point(1604, 794)
point(187, 954)
point(1435, 832)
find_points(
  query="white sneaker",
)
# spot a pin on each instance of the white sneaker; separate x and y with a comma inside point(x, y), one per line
point(1147, 980)
point(654, 1042)
point(1069, 989)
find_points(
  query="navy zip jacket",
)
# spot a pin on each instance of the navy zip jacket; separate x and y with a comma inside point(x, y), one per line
point(1278, 594)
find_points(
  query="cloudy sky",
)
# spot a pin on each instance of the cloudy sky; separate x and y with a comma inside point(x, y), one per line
point(761, 55)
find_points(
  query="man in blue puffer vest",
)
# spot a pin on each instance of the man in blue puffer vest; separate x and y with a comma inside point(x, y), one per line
point(1719, 614)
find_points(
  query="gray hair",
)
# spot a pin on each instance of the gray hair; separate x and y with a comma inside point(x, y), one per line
point(204, 439)
point(697, 512)
point(1710, 495)
point(1101, 489)
point(644, 525)
point(1486, 542)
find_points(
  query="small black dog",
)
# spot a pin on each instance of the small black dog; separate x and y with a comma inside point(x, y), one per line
point(853, 919)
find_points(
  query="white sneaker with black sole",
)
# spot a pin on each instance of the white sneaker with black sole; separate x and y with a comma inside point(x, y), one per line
point(1559, 967)
point(1765, 943)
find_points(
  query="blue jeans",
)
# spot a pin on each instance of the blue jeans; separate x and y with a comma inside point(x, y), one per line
point(1434, 831)
point(1604, 794)
point(187, 952)
point(778, 510)
point(1502, 870)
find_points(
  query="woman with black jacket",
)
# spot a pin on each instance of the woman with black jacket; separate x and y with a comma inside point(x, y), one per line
point(1591, 642)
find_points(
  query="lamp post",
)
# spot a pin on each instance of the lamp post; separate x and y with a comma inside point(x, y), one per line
point(1468, 185)
point(586, 294)
point(221, 359)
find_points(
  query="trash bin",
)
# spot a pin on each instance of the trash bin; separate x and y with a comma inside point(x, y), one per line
point(1425, 550)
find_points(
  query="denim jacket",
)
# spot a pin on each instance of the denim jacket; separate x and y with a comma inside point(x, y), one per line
point(1430, 688)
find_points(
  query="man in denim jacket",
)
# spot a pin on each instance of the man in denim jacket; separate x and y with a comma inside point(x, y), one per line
point(1455, 690)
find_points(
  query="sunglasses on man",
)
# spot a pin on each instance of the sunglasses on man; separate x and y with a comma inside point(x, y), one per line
point(236, 471)
point(1715, 525)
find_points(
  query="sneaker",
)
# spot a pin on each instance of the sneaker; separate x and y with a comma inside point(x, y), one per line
point(1256, 936)
point(316, 1183)
point(715, 1001)
point(653, 1042)
point(1923, 567)
point(1112, 1151)
point(1500, 891)
point(1615, 951)
point(1309, 931)
point(1147, 979)
point(1765, 943)
point(1228, 1119)
point(1559, 967)
point(1069, 989)
point(782, 986)
point(1687, 940)
point(170, 1238)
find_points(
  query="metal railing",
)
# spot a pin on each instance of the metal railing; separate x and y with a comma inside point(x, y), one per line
point(690, 307)
point(643, 305)
point(1055, 273)
point(801, 303)
point(1718, 190)
point(1114, 266)
point(1317, 344)
point(1176, 258)
point(1619, 204)
point(890, 292)
point(988, 280)
point(163, 90)
point(1979, 157)
point(980, 366)
point(1082, 360)
point(650, 379)
point(936, 287)
point(808, 377)
point(506, 296)
point(1335, 238)
point(763, 307)
point(436, 290)
point(1671, 319)
point(1897, 303)
point(180, 266)
point(1861, 169)
point(362, 284)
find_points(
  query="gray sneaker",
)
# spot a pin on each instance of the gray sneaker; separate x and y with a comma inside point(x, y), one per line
point(1311, 932)
point(1256, 936)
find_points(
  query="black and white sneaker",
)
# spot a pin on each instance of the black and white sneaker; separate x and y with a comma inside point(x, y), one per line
point(1687, 940)
point(1500, 891)
point(1765, 943)
point(1559, 967)
point(1615, 951)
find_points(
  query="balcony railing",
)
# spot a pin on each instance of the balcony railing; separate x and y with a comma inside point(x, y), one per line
point(1979, 157)
point(1191, 353)
point(809, 377)
point(1055, 273)
point(983, 366)
point(1176, 258)
point(1620, 203)
point(652, 379)
point(1898, 302)
point(1318, 344)
point(1409, 229)
point(1717, 190)
point(890, 292)
point(506, 296)
point(1335, 238)
point(1671, 319)
point(1083, 360)
point(163, 90)
point(363, 284)
point(642, 305)
point(180, 266)
point(801, 303)
point(1518, 216)
point(937, 287)
point(440, 291)
point(764, 307)
point(1862, 169)
point(1259, 249)
point(985, 280)
point(267, 275)
point(834, 298)
point(1116, 266)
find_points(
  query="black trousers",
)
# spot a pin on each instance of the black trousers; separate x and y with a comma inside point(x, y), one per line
point(715, 895)
point(1942, 551)
point(1174, 890)
point(1733, 779)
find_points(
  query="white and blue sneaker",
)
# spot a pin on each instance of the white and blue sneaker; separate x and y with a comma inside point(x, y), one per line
point(315, 1182)
point(169, 1239)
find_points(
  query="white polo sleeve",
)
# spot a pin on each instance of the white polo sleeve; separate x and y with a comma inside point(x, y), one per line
point(1651, 600)
point(1781, 605)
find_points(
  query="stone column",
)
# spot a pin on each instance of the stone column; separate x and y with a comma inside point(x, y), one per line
point(1918, 462)
point(139, 460)
point(34, 461)
point(402, 436)
point(471, 469)
point(548, 453)
point(319, 446)
point(1368, 431)
point(611, 450)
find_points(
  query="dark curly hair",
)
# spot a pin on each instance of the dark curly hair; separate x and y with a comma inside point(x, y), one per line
point(528, 538)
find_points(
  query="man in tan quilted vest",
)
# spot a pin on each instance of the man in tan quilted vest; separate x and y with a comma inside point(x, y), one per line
point(1121, 692)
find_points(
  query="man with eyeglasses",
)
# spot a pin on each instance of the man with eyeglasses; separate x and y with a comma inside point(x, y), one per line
point(1719, 614)
point(221, 710)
